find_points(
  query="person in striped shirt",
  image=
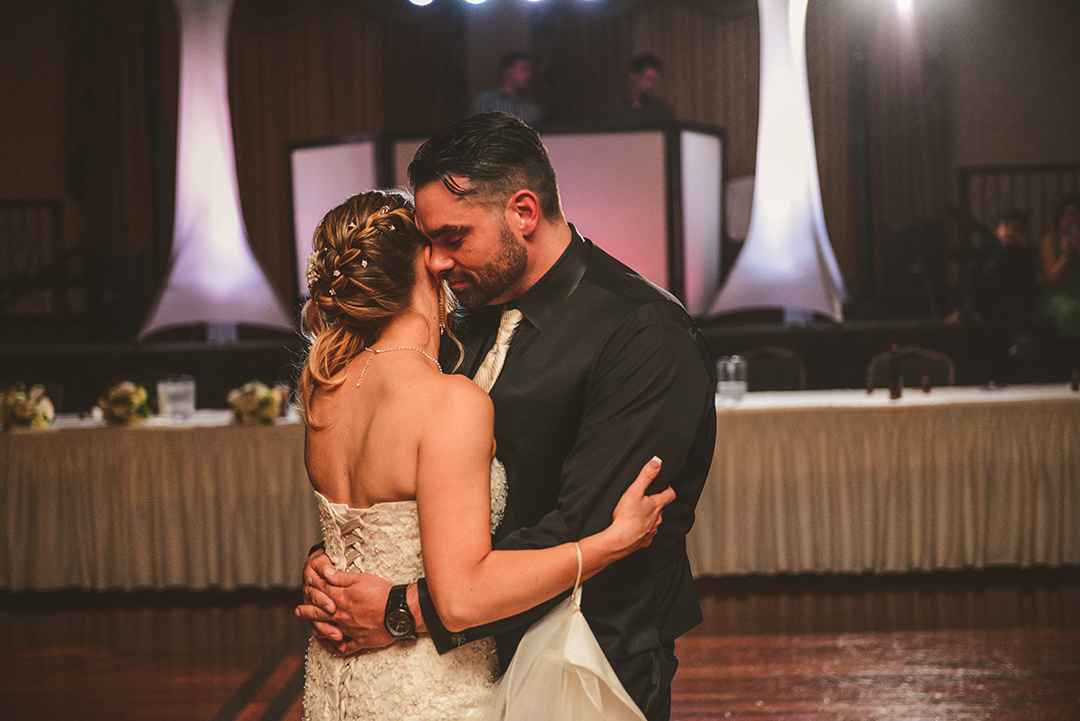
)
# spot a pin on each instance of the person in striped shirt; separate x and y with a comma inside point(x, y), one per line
point(514, 95)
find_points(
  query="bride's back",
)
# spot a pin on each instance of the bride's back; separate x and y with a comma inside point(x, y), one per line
point(365, 448)
point(371, 384)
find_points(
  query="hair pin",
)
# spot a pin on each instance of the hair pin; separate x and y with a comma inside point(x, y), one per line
point(312, 273)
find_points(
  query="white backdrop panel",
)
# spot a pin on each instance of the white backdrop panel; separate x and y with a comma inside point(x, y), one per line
point(702, 209)
point(322, 178)
point(403, 152)
point(613, 190)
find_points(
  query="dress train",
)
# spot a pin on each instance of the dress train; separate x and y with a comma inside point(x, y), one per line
point(560, 672)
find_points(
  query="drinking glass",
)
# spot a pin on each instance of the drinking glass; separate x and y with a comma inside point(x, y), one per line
point(176, 397)
point(731, 374)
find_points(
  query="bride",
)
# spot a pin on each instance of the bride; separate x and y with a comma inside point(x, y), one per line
point(402, 459)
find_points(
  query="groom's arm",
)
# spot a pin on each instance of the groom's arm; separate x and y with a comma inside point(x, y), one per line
point(346, 610)
point(651, 393)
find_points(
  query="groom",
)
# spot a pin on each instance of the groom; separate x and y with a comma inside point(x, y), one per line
point(604, 371)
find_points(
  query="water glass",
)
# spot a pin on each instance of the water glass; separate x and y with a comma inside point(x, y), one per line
point(176, 397)
point(731, 377)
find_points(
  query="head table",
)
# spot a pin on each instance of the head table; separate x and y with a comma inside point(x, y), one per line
point(846, 481)
point(814, 481)
point(201, 504)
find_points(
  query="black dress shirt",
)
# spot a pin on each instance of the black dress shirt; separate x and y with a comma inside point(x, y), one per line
point(999, 280)
point(605, 371)
point(620, 111)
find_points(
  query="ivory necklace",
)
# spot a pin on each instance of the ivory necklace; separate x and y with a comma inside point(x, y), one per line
point(375, 352)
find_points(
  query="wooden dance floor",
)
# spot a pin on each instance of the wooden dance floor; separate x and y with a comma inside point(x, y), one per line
point(995, 644)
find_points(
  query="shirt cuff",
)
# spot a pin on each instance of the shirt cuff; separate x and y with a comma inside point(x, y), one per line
point(443, 638)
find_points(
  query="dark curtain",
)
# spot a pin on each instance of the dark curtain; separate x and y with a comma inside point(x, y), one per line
point(909, 150)
point(298, 71)
point(306, 69)
point(320, 69)
point(109, 147)
point(582, 53)
point(828, 69)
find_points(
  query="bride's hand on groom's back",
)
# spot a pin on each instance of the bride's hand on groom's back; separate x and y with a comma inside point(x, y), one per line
point(345, 609)
point(637, 516)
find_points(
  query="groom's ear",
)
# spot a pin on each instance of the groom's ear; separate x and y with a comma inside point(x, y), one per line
point(523, 212)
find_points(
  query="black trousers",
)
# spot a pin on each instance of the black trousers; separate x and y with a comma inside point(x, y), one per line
point(647, 678)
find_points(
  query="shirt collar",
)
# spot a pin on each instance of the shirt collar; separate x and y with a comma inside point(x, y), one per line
point(556, 285)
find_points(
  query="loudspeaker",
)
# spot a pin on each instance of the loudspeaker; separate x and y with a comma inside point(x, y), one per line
point(915, 270)
point(112, 288)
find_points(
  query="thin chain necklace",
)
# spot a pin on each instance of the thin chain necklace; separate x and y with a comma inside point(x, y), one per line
point(375, 352)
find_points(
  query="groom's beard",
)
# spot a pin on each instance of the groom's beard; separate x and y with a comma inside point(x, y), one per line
point(493, 279)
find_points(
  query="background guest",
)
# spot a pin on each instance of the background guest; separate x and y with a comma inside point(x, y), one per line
point(514, 95)
point(640, 106)
point(1001, 281)
point(1060, 255)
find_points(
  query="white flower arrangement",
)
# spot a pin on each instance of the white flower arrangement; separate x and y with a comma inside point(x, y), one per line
point(125, 404)
point(20, 408)
point(255, 403)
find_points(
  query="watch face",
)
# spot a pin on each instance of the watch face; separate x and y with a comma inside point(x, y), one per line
point(399, 623)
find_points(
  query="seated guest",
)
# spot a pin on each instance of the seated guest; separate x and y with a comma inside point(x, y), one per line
point(640, 106)
point(1060, 255)
point(514, 95)
point(1001, 281)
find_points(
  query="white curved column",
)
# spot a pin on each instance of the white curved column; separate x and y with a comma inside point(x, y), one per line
point(786, 261)
point(213, 275)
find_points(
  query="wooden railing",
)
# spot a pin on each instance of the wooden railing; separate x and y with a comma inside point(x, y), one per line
point(38, 297)
point(986, 192)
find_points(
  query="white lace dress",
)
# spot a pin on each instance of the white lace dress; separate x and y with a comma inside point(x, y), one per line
point(409, 680)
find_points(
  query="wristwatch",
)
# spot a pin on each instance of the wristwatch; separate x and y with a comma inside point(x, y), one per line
point(398, 620)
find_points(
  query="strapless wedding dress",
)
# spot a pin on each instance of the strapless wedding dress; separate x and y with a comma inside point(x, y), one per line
point(559, 671)
point(409, 680)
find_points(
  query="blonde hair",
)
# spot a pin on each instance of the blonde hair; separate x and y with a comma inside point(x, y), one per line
point(360, 275)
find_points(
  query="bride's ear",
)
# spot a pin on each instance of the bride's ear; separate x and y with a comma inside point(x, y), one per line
point(424, 260)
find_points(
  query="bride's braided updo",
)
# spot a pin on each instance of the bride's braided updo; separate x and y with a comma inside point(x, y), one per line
point(362, 270)
point(360, 276)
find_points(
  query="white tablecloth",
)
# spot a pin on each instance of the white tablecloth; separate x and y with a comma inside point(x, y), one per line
point(812, 481)
point(843, 481)
point(198, 506)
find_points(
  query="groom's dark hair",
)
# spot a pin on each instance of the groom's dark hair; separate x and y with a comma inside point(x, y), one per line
point(496, 154)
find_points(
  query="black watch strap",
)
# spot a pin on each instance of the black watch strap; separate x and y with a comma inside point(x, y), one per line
point(398, 619)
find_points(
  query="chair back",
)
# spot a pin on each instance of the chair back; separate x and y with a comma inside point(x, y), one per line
point(770, 368)
point(915, 363)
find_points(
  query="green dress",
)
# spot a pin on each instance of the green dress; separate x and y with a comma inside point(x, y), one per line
point(1062, 303)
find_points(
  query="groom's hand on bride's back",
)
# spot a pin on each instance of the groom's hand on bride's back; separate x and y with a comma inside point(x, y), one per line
point(345, 609)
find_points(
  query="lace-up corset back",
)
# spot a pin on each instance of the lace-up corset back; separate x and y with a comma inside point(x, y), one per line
point(409, 679)
point(385, 538)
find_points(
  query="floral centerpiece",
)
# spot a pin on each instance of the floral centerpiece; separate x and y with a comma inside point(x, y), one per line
point(255, 403)
point(20, 408)
point(125, 404)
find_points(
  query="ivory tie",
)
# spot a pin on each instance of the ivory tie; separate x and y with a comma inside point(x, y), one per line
point(493, 361)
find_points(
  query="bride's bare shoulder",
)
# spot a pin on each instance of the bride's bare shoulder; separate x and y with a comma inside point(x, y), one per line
point(455, 433)
point(452, 396)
